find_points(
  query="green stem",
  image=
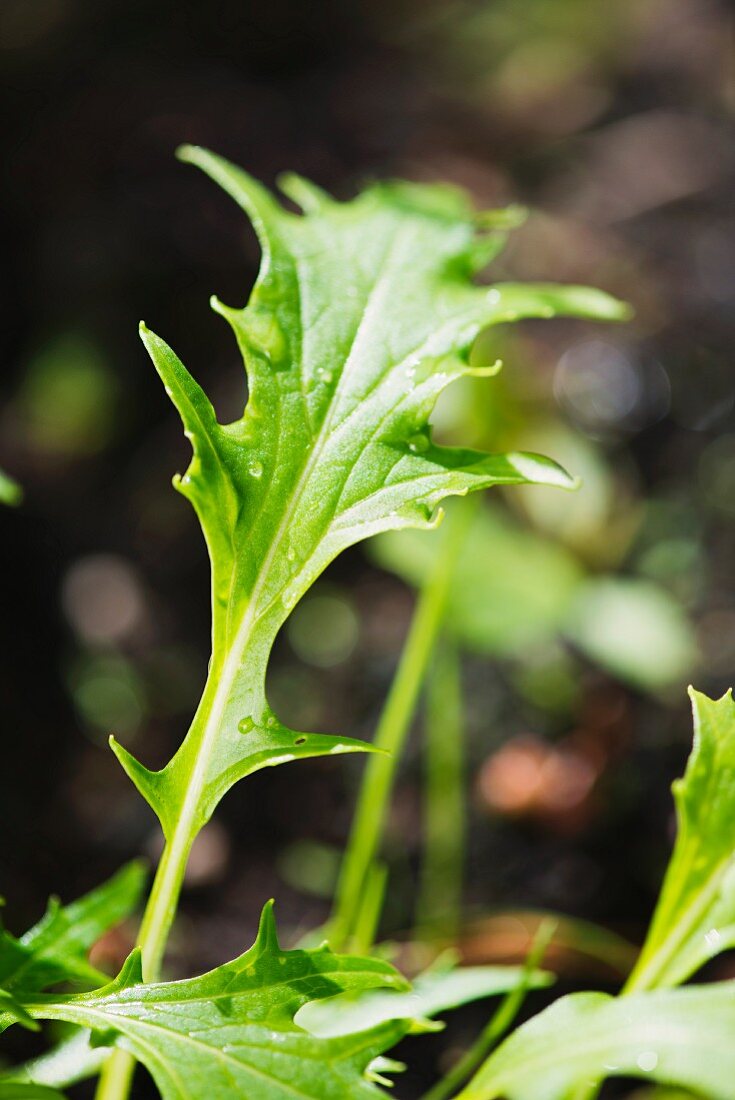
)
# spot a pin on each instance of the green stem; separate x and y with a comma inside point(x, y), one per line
point(368, 918)
point(390, 737)
point(499, 1022)
point(117, 1073)
point(440, 896)
point(116, 1077)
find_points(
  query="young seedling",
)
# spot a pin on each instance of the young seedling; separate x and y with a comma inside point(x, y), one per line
point(363, 312)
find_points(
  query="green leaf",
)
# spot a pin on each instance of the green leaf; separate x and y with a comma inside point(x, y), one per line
point(536, 591)
point(432, 993)
point(55, 950)
point(70, 1061)
point(363, 312)
point(10, 490)
point(679, 1037)
point(231, 1032)
point(15, 1013)
point(13, 1090)
point(635, 629)
point(511, 588)
point(695, 915)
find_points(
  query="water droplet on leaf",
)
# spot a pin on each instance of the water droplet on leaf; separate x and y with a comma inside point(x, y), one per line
point(417, 444)
point(245, 725)
point(647, 1061)
point(255, 468)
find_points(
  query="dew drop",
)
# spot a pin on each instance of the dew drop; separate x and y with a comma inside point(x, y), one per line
point(291, 554)
point(493, 296)
point(271, 721)
point(647, 1061)
point(289, 598)
point(324, 375)
point(245, 725)
point(417, 444)
point(255, 468)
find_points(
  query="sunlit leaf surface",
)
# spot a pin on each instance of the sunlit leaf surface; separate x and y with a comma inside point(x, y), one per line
point(679, 1037)
point(231, 1032)
point(362, 314)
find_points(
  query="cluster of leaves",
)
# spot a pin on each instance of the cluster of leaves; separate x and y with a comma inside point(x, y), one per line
point(362, 314)
point(653, 1030)
point(228, 1032)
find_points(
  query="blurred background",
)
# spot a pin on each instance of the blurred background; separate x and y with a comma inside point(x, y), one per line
point(587, 615)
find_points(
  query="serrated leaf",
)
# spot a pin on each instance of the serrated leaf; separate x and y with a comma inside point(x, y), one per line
point(431, 994)
point(363, 312)
point(695, 915)
point(231, 1032)
point(55, 950)
point(679, 1037)
point(15, 1012)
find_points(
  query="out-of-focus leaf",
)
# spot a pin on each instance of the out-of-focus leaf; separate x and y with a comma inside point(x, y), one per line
point(680, 1037)
point(511, 588)
point(68, 404)
point(599, 521)
point(14, 1090)
point(55, 950)
point(231, 1032)
point(695, 915)
point(432, 993)
point(633, 628)
point(578, 948)
point(10, 490)
point(70, 1061)
point(514, 589)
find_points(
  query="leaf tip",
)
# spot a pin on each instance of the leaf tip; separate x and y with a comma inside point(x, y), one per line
point(188, 153)
point(505, 217)
point(535, 469)
point(267, 937)
point(132, 969)
point(147, 782)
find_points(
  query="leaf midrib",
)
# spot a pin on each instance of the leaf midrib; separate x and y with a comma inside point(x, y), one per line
point(84, 1012)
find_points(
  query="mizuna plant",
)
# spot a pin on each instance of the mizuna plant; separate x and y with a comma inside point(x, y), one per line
point(363, 312)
